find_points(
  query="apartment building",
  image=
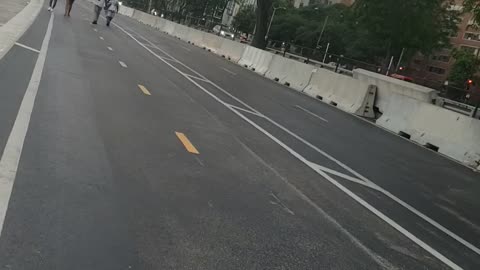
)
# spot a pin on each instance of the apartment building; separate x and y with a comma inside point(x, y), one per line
point(433, 70)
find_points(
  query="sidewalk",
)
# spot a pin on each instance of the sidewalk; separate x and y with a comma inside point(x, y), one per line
point(10, 8)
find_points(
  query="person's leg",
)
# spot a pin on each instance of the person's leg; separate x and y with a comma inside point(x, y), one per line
point(67, 3)
point(70, 7)
point(54, 3)
point(96, 13)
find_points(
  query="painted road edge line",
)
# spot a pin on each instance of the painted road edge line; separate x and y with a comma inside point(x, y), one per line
point(186, 143)
point(13, 149)
point(144, 90)
point(122, 64)
point(110, 49)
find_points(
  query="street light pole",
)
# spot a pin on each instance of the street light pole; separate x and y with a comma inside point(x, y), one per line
point(323, 30)
point(149, 6)
point(271, 20)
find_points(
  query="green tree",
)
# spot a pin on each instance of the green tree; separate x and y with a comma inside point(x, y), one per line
point(244, 21)
point(418, 25)
point(465, 67)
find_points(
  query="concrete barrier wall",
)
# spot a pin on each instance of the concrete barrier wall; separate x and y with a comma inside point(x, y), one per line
point(160, 24)
point(169, 27)
point(181, 31)
point(287, 71)
point(195, 36)
point(212, 42)
point(248, 56)
point(231, 50)
point(347, 93)
point(390, 87)
point(126, 11)
point(454, 134)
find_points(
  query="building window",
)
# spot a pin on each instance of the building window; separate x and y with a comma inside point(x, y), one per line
point(436, 70)
point(471, 36)
point(441, 58)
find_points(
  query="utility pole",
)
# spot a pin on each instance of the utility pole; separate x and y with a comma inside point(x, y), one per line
point(326, 53)
point(149, 6)
point(390, 66)
point(400, 59)
point(271, 20)
point(323, 30)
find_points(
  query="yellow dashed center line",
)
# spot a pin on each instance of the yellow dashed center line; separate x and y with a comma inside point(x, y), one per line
point(144, 90)
point(186, 142)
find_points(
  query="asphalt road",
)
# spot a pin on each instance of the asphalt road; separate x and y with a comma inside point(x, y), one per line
point(145, 152)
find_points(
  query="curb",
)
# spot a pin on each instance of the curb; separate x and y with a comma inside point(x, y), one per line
point(16, 27)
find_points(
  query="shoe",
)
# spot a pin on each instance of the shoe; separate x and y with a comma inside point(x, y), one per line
point(49, 9)
point(108, 23)
point(94, 22)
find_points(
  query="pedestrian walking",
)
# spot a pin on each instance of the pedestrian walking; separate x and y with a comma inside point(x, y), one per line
point(52, 5)
point(97, 8)
point(111, 8)
point(68, 7)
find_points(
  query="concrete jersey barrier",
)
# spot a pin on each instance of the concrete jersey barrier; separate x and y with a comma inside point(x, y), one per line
point(231, 50)
point(211, 42)
point(290, 72)
point(445, 131)
point(347, 93)
point(256, 59)
point(389, 87)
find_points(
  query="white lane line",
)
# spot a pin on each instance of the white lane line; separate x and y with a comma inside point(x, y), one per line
point(311, 113)
point(27, 47)
point(191, 76)
point(122, 64)
point(102, 38)
point(110, 49)
point(233, 73)
point(185, 48)
point(167, 54)
point(95, 29)
point(352, 195)
point(13, 149)
point(245, 110)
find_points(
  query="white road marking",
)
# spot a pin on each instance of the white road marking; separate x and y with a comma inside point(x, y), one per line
point(27, 47)
point(95, 29)
point(193, 77)
point(245, 110)
point(102, 38)
point(311, 113)
point(233, 73)
point(122, 64)
point(355, 197)
point(185, 48)
point(164, 52)
point(110, 49)
point(13, 149)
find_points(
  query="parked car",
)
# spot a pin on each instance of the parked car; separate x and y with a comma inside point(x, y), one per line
point(223, 31)
point(402, 77)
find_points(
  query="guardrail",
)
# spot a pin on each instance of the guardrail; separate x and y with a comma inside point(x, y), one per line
point(456, 106)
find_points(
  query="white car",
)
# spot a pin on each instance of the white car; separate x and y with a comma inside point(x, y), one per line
point(223, 31)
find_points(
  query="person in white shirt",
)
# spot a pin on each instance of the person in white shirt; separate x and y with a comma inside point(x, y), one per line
point(111, 7)
point(97, 8)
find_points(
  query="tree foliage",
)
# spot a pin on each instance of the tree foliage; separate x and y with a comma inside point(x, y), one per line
point(244, 21)
point(465, 67)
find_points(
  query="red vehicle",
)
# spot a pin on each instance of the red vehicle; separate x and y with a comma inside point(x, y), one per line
point(402, 77)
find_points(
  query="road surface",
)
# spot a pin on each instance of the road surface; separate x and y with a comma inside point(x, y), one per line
point(126, 148)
